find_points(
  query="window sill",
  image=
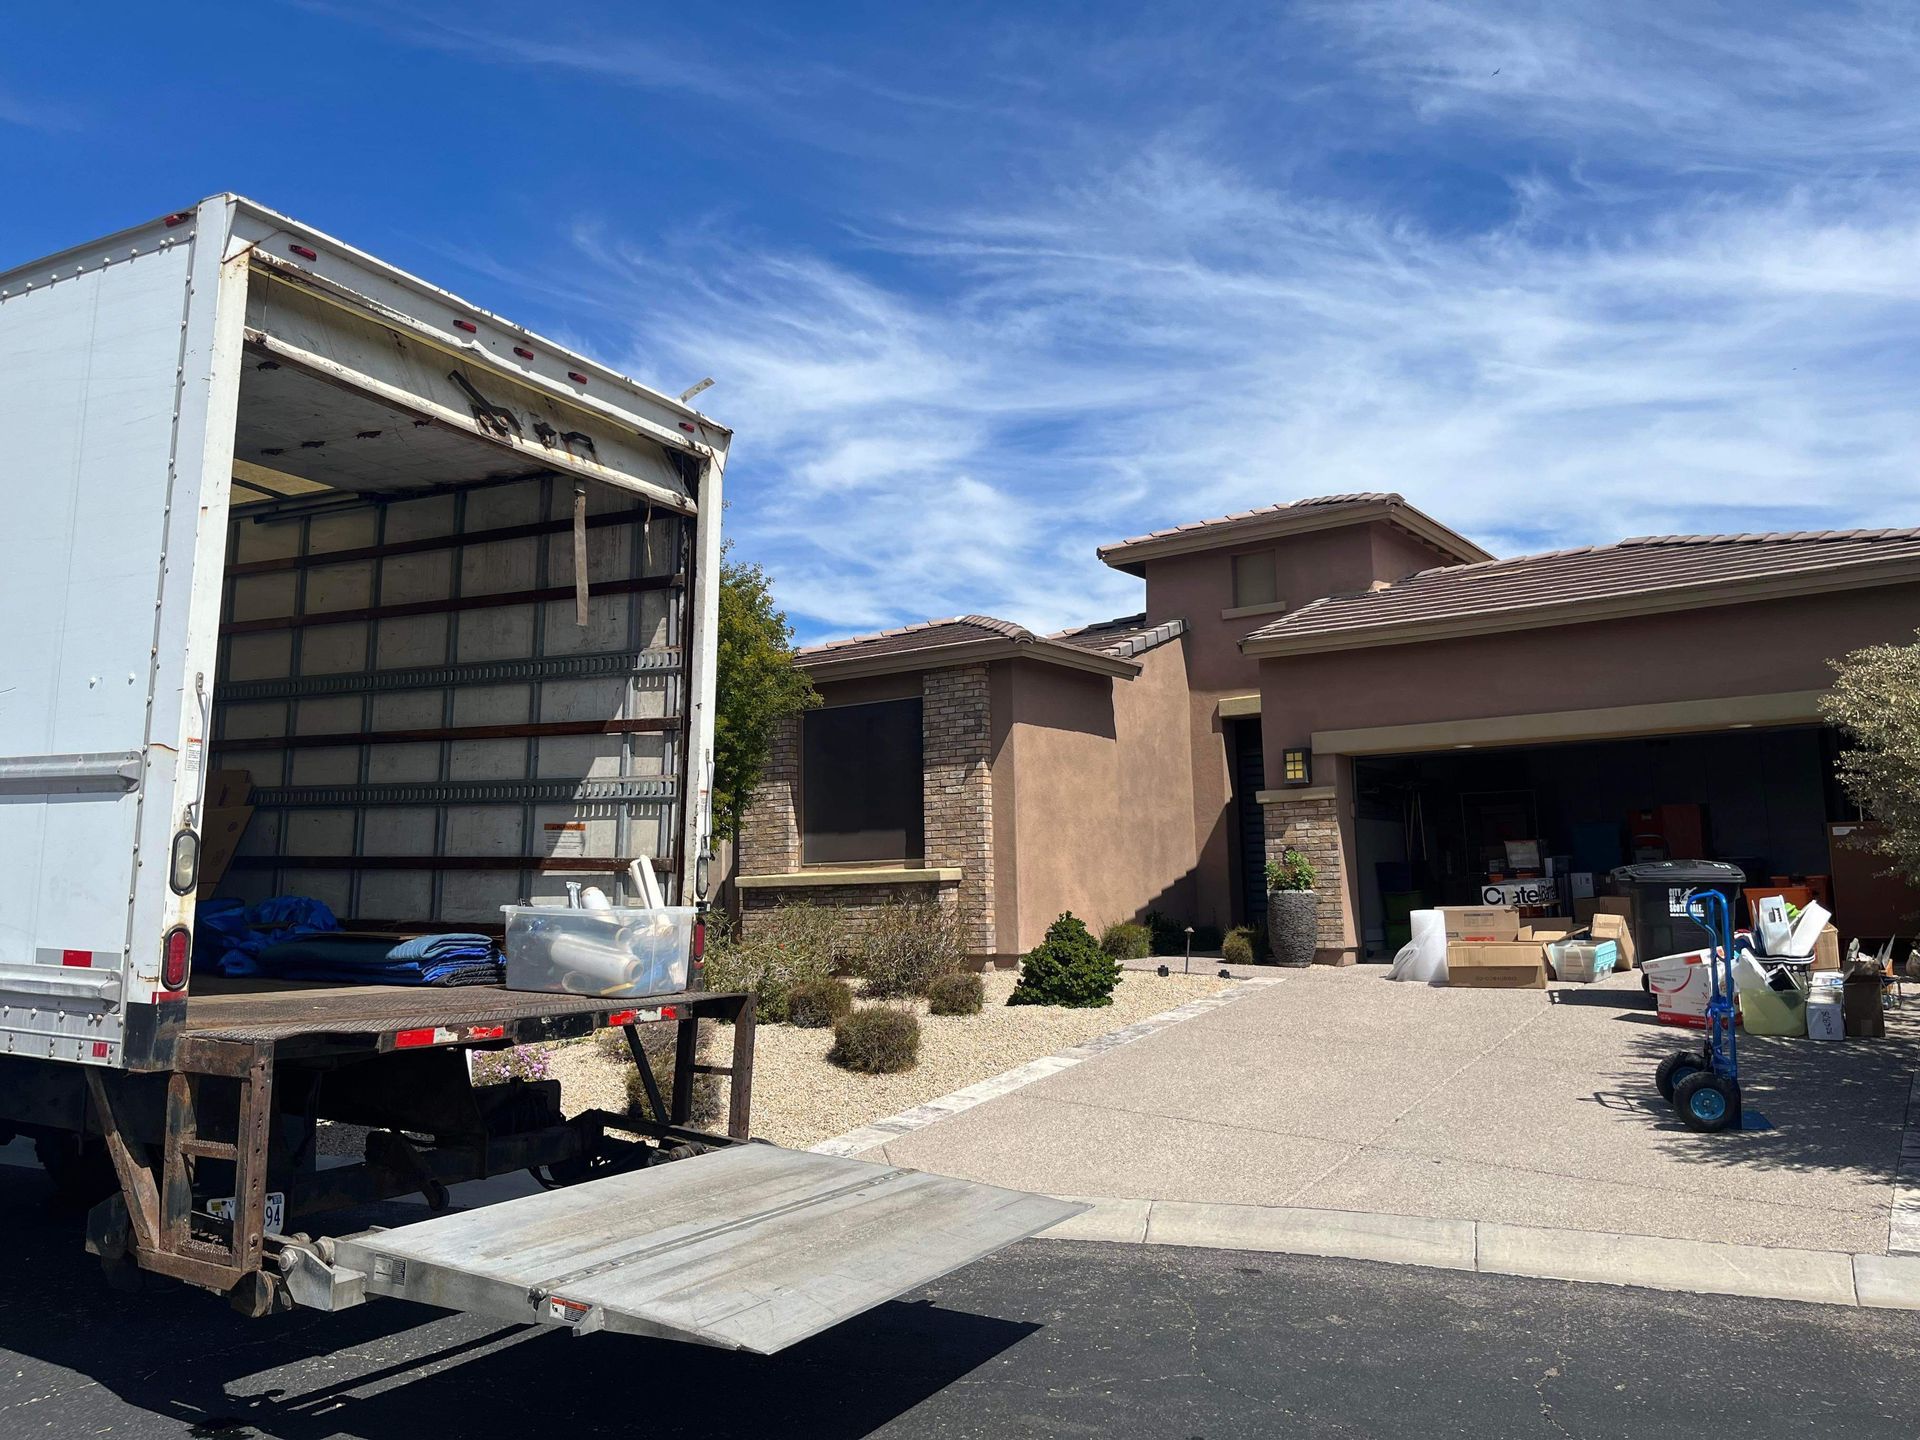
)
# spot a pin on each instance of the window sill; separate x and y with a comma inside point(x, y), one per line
point(1239, 612)
point(894, 875)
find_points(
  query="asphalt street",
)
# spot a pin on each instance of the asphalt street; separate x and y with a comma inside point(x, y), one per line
point(1048, 1339)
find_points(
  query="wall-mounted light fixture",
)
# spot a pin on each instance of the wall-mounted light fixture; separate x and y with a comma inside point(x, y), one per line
point(1296, 767)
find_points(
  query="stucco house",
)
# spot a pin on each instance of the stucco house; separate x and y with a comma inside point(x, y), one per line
point(1347, 675)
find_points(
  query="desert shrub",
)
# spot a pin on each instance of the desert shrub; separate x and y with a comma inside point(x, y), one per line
point(778, 949)
point(1067, 968)
point(816, 1004)
point(523, 1062)
point(1170, 935)
point(660, 1043)
point(1243, 945)
point(904, 946)
point(1127, 940)
point(876, 1041)
point(959, 992)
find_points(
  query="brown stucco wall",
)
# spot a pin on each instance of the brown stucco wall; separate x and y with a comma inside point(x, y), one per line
point(1197, 588)
point(1720, 653)
point(1101, 767)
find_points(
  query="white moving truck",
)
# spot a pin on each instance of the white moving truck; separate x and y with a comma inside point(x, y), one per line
point(321, 582)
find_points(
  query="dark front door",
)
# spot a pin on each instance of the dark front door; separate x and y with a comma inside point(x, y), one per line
point(1249, 778)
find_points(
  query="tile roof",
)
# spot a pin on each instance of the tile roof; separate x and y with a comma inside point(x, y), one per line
point(929, 641)
point(1124, 638)
point(1273, 522)
point(1359, 497)
point(1529, 589)
point(922, 635)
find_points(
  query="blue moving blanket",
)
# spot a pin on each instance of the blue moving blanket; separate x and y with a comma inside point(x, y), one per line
point(290, 938)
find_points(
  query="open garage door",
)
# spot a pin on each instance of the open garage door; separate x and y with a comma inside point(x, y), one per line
point(1435, 828)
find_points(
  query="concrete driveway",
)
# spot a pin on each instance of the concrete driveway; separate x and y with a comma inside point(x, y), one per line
point(1338, 1089)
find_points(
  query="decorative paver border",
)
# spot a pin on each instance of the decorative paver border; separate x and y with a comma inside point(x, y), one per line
point(866, 1137)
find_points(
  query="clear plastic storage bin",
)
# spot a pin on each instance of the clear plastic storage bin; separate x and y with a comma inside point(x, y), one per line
point(611, 953)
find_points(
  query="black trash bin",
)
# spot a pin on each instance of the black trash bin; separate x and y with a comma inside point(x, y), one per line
point(1661, 925)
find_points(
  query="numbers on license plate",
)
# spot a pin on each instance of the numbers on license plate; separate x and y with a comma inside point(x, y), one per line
point(276, 1212)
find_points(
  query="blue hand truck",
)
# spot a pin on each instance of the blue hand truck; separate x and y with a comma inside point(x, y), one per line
point(1704, 1084)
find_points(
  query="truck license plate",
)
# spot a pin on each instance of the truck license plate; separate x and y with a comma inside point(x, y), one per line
point(276, 1210)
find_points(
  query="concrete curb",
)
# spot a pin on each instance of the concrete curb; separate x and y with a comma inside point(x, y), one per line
point(867, 1137)
point(1701, 1267)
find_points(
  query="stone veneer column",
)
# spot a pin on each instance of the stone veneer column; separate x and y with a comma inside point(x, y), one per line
point(1310, 823)
point(957, 788)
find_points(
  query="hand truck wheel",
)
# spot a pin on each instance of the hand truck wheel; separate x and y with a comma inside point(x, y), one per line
point(1675, 1068)
point(1707, 1102)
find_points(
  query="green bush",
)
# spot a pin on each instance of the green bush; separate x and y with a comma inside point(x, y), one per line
point(878, 1041)
point(958, 992)
point(1127, 940)
point(905, 946)
point(1243, 945)
point(780, 948)
point(1292, 871)
point(1067, 968)
point(816, 1004)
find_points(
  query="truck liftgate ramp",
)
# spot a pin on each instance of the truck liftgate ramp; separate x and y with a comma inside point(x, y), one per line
point(748, 1248)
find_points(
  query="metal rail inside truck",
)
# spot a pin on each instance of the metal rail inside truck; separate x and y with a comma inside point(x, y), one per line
point(445, 592)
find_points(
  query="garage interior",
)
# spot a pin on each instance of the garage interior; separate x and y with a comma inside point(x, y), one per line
point(1432, 828)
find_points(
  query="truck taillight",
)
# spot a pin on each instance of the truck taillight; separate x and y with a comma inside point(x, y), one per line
point(176, 955)
point(184, 869)
point(699, 939)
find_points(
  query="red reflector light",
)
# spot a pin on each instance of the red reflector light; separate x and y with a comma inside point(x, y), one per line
point(487, 1032)
point(576, 377)
point(523, 352)
point(176, 956)
point(178, 218)
point(407, 1039)
point(667, 1012)
point(99, 1049)
point(622, 1017)
point(303, 252)
point(686, 427)
point(466, 325)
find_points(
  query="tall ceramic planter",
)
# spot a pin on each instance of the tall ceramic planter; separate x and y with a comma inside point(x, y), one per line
point(1293, 926)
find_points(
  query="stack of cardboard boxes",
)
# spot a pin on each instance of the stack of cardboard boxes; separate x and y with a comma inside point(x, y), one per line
point(1493, 948)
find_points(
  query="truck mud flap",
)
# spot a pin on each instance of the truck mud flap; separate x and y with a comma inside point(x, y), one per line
point(750, 1248)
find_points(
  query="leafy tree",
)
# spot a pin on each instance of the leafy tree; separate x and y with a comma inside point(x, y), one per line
point(758, 687)
point(1876, 704)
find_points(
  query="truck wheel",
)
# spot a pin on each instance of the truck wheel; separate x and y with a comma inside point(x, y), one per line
point(1707, 1102)
point(1675, 1068)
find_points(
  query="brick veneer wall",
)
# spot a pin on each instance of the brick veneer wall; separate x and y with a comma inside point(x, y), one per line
point(1311, 825)
point(769, 825)
point(956, 798)
point(957, 788)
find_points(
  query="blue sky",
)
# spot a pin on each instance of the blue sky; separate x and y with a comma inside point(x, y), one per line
point(984, 285)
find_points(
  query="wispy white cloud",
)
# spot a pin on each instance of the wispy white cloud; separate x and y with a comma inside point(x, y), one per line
point(1694, 310)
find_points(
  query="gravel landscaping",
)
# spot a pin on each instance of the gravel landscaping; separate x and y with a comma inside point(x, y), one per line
point(799, 1099)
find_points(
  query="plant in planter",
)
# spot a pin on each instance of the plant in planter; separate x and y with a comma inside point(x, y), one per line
point(1293, 909)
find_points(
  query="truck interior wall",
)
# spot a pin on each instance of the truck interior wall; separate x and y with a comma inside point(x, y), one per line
point(420, 753)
